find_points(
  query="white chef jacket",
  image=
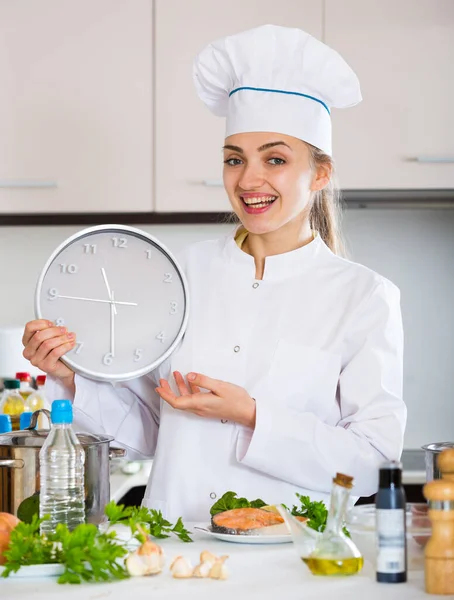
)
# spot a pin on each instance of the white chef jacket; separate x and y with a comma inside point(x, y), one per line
point(317, 343)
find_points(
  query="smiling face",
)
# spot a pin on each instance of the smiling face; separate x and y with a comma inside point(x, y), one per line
point(269, 179)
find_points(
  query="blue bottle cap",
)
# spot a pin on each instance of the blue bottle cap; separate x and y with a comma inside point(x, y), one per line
point(25, 419)
point(5, 424)
point(62, 411)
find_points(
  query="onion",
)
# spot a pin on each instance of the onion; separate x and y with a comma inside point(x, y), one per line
point(7, 524)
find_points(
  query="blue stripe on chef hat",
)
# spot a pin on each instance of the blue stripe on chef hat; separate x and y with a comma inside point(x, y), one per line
point(279, 92)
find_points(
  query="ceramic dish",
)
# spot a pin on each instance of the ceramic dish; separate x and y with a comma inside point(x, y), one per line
point(264, 538)
point(47, 570)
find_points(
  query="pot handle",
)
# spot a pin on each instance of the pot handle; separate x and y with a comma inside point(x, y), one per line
point(117, 452)
point(15, 463)
point(35, 415)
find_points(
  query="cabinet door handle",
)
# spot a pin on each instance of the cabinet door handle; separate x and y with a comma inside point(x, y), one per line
point(213, 182)
point(26, 183)
point(432, 159)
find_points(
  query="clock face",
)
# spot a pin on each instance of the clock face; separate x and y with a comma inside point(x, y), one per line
point(123, 295)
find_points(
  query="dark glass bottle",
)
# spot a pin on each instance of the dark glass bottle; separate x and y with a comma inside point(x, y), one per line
point(391, 525)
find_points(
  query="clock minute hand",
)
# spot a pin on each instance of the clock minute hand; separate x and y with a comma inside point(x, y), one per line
point(108, 288)
point(112, 326)
point(97, 300)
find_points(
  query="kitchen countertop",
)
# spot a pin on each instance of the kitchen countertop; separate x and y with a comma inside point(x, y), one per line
point(255, 572)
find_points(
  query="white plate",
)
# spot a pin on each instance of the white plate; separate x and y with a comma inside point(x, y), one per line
point(265, 538)
point(47, 570)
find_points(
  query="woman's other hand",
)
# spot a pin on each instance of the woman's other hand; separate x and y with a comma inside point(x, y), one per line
point(44, 345)
point(225, 401)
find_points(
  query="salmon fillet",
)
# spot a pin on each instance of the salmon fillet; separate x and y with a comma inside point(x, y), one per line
point(244, 520)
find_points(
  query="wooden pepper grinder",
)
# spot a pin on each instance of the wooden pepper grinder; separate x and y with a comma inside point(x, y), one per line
point(439, 551)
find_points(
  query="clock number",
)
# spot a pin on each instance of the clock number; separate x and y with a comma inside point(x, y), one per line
point(160, 337)
point(90, 248)
point(167, 277)
point(120, 242)
point(59, 322)
point(148, 253)
point(71, 269)
point(173, 307)
point(53, 294)
point(107, 359)
point(137, 354)
point(78, 348)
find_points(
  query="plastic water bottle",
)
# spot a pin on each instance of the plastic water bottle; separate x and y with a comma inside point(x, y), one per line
point(62, 461)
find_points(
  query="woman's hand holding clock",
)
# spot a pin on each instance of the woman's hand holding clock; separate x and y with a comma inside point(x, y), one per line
point(44, 345)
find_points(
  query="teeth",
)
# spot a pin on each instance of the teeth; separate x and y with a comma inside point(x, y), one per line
point(259, 201)
point(260, 204)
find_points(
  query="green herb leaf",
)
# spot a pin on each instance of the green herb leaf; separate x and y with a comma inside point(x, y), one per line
point(157, 526)
point(229, 501)
point(316, 512)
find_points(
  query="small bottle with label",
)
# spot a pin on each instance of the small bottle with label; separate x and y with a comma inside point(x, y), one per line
point(25, 389)
point(391, 525)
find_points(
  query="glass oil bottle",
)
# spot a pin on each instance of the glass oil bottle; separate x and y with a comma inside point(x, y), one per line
point(335, 553)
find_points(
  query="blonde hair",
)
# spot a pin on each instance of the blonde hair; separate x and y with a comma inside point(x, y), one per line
point(326, 212)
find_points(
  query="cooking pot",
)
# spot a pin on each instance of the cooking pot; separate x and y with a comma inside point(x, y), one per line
point(20, 473)
point(431, 455)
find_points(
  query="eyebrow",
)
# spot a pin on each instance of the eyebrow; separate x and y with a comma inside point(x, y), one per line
point(260, 149)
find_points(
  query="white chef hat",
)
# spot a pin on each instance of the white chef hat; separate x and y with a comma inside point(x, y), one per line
point(275, 79)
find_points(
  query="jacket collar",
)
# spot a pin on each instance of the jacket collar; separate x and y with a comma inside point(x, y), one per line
point(279, 266)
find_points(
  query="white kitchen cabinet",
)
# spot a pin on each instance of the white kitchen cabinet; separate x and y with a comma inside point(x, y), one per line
point(75, 106)
point(402, 134)
point(189, 139)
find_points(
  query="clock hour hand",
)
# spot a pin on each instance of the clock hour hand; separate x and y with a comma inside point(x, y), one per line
point(108, 289)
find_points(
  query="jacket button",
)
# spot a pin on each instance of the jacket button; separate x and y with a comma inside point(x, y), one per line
point(236, 349)
point(255, 285)
point(223, 421)
point(213, 496)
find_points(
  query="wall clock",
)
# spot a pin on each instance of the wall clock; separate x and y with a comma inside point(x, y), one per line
point(123, 294)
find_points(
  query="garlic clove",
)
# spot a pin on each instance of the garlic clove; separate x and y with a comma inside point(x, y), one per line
point(135, 565)
point(153, 552)
point(181, 568)
point(148, 559)
point(207, 556)
point(219, 570)
point(203, 570)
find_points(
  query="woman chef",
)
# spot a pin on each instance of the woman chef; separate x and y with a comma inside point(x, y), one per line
point(291, 366)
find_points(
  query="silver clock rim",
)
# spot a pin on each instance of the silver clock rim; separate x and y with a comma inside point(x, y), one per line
point(94, 375)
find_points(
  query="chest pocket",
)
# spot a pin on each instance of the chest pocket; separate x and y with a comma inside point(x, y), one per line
point(306, 377)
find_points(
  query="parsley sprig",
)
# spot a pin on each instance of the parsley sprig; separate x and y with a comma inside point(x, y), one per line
point(86, 554)
point(151, 520)
point(315, 511)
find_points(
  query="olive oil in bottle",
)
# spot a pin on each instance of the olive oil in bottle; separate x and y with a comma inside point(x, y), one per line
point(335, 553)
point(12, 403)
point(333, 566)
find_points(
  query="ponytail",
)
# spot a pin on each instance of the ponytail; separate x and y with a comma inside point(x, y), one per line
point(326, 211)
